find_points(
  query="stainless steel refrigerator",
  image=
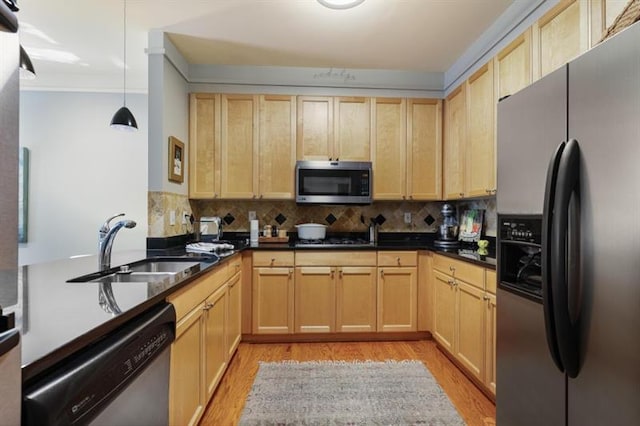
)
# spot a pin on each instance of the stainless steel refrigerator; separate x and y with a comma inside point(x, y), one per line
point(569, 161)
point(10, 375)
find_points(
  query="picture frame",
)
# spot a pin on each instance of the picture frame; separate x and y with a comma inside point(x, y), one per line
point(176, 160)
point(471, 225)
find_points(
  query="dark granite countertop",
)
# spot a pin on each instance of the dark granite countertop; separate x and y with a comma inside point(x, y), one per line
point(398, 241)
point(57, 318)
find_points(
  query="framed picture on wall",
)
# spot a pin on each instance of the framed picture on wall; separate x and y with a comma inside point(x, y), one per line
point(176, 160)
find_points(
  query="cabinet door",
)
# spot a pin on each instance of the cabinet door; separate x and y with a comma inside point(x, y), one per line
point(356, 299)
point(560, 35)
point(277, 147)
point(444, 310)
point(204, 145)
point(389, 148)
point(272, 295)
point(469, 345)
point(455, 122)
point(234, 317)
point(315, 299)
point(186, 392)
point(397, 301)
point(239, 145)
point(424, 149)
point(490, 342)
point(512, 66)
point(481, 142)
point(603, 14)
point(315, 128)
point(215, 353)
point(352, 120)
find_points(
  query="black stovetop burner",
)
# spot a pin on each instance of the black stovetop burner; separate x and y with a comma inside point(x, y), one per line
point(333, 241)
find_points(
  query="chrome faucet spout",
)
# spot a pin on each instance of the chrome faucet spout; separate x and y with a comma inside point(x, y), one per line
point(105, 241)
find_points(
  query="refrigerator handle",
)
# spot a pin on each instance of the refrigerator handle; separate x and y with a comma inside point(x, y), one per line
point(563, 259)
point(547, 221)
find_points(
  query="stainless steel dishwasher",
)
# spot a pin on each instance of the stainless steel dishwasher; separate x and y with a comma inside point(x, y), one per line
point(121, 380)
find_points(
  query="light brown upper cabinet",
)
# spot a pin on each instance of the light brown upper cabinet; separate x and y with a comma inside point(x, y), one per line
point(407, 149)
point(352, 129)
point(480, 147)
point(455, 131)
point(239, 143)
point(389, 157)
point(277, 147)
point(603, 14)
point(331, 128)
point(512, 66)
point(424, 149)
point(315, 128)
point(559, 36)
point(204, 145)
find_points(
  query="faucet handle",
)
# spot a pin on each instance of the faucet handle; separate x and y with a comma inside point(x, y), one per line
point(105, 226)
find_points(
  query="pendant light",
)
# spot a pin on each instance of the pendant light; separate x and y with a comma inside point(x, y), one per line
point(123, 119)
point(27, 72)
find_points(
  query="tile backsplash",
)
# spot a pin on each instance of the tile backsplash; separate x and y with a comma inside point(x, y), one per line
point(159, 207)
point(425, 217)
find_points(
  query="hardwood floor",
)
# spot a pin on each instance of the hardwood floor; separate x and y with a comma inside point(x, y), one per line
point(227, 403)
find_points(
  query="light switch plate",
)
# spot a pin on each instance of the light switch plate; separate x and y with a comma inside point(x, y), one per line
point(252, 215)
point(407, 217)
point(172, 217)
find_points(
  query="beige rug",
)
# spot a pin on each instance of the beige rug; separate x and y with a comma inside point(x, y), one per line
point(347, 393)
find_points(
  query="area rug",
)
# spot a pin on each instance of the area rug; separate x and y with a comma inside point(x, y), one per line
point(347, 393)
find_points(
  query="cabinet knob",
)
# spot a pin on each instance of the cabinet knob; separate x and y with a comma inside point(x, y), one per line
point(333, 274)
point(290, 273)
point(381, 273)
point(398, 260)
point(340, 273)
point(485, 297)
point(404, 197)
point(254, 196)
point(452, 268)
point(215, 195)
point(461, 194)
point(450, 282)
point(207, 306)
point(273, 259)
point(494, 191)
point(411, 197)
point(488, 191)
point(261, 196)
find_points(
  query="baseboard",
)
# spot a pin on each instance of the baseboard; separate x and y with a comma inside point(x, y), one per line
point(335, 337)
point(481, 386)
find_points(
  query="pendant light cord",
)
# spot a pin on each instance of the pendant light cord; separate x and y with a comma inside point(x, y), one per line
point(125, 53)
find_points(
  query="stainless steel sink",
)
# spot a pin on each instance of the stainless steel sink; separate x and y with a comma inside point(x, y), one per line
point(146, 270)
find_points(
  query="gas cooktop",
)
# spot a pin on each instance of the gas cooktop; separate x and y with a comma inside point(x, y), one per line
point(334, 242)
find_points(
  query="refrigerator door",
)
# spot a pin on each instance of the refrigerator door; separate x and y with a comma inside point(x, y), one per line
point(531, 124)
point(530, 391)
point(604, 112)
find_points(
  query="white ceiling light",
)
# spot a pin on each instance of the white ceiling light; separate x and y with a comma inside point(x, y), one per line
point(340, 4)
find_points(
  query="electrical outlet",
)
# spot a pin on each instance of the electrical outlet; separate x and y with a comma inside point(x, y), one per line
point(407, 217)
point(184, 217)
point(252, 215)
point(172, 217)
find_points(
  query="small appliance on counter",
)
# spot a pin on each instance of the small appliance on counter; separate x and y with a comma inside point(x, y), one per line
point(209, 228)
point(448, 231)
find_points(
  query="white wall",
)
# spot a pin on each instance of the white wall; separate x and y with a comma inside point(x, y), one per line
point(81, 172)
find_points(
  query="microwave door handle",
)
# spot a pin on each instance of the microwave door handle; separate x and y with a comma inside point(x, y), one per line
point(563, 253)
point(546, 256)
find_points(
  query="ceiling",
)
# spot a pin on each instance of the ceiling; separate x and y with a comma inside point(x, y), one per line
point(78, 44)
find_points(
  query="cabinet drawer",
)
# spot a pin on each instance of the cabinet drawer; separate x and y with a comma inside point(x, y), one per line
point(459, 269)
point(185, 299)
point(490, 280)
point(335, 258)
point(234, 266)
point(397, 258)
point(273, 258)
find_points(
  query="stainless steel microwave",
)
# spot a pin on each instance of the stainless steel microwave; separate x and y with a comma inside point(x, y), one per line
point(334, 182)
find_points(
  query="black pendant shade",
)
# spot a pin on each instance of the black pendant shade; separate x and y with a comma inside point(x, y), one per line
point(27, 72)
point(123, 119)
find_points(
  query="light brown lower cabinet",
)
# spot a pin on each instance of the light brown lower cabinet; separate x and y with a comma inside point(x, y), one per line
point(315, 299)
point(272, 292)
point(397, 291)
point(464, 317)
point(356, 299)
point(206, 338)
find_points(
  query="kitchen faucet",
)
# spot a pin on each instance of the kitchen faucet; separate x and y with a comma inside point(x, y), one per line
point(105, 241)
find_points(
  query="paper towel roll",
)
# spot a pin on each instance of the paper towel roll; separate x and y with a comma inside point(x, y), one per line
point(255, 230)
